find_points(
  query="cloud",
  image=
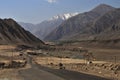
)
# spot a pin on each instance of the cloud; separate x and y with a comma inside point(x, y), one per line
point(51, 1)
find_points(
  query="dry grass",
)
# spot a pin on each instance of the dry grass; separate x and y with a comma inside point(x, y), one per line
point(7, 51)
point(4, 47)
point(106, 54)
point(9, 54)
point(55, 60)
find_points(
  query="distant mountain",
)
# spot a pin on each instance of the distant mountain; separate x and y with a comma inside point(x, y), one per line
point(78, 26)
point(12, 33)
point(27, 26)
point(42, 29)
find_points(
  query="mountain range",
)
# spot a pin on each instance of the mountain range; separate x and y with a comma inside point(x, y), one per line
point(12, 33)
point(99, 23)
point(41, 30)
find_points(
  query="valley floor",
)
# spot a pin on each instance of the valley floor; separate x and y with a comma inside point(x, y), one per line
point(45, 66)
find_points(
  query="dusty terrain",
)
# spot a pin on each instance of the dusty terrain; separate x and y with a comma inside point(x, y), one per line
point(10, 74)
point(75, 66)
point(105, 64)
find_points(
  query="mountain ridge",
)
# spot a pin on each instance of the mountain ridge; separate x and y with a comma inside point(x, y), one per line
point(78, 24)
point(12, 33)
point(41, 30)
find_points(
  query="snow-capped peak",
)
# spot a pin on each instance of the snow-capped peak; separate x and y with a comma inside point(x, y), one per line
point(64, 16)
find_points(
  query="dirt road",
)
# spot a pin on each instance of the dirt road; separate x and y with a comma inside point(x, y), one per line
point(37, 72)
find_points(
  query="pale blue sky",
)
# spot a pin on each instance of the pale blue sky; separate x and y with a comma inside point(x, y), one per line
point(35, 11)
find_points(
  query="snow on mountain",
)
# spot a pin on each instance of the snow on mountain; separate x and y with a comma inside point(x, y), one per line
point(64, 16)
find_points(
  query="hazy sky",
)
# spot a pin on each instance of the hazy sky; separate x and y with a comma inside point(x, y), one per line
point(35, 11)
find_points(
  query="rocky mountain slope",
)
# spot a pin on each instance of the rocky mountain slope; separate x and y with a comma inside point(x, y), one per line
point(107, 27)
point(12, 33)
point(42, 29)
point(78, 27)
